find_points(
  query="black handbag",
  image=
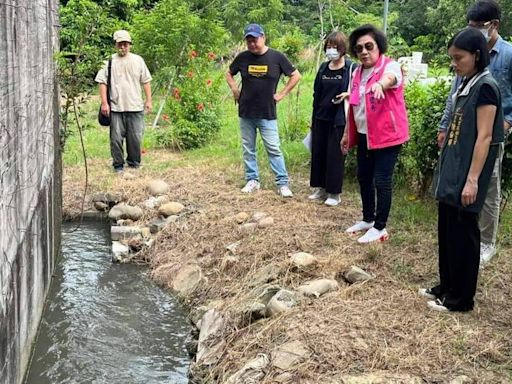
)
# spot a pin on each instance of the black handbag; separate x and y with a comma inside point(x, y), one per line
point(102, 119)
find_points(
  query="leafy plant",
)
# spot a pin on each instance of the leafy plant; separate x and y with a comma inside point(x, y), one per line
point(86, 37)
point(162, 32)
point(425, 107)
point(191, 116)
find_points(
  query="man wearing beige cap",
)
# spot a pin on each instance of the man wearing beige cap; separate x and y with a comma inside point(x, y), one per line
point(126, 106)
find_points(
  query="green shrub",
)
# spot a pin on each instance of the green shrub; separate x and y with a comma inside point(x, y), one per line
point(425, 106)
point(191, 115)
point(506, 171)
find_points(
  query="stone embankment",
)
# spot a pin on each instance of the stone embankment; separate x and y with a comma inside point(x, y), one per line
point(132, 236)
point(277, 293)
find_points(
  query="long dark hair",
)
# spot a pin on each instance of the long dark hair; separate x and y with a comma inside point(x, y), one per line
point(471, 40)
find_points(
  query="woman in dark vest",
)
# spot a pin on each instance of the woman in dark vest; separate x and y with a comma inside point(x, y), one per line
point(463, 172)
point(328, 121)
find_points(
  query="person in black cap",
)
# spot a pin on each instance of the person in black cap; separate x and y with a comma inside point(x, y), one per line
point(261, 68)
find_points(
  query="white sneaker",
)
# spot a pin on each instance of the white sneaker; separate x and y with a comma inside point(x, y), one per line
point(360, 226)
point(437, 305)
point(487, 252)
point(427, 292)
point(284, 191)
point(333, 199)
point(319, 194)
point(251, 186)
point(373, 234)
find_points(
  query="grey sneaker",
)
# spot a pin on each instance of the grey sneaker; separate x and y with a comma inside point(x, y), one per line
point(319, 194)
point(487, 252)
point(333, 199)
point(284, 191)
point(251, 186)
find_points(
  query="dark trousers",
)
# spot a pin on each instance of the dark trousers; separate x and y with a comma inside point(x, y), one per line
point(375, 174)
point(327, 161)
point(459, 257)
point(129, 126)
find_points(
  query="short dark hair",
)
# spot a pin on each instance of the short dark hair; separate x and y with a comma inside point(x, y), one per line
point(339, 40)
point(471, 40)
point(484, 10)
point(368, 29)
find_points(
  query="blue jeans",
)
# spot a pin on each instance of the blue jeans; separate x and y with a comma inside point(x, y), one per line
point(270, 137)
point(375, 174)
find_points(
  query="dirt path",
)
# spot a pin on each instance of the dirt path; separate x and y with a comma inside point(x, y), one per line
point(380, 326)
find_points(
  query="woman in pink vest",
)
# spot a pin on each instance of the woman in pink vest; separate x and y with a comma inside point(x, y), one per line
point(377, 124)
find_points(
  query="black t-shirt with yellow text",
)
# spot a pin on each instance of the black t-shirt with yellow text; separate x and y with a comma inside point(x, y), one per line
point(260, 77)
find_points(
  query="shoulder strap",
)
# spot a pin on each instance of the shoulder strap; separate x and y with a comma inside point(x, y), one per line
point(109, 79)
point(346, 101)
point(323, 66)
point(350, 72)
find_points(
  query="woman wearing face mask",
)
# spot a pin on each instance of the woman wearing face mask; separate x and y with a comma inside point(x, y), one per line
point(377, 124)
point(464, 170)
point(328, 121)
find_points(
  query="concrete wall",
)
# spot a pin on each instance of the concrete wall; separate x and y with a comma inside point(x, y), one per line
point(30, 174)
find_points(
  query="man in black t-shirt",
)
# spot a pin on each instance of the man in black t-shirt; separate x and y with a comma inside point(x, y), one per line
point(261, 68)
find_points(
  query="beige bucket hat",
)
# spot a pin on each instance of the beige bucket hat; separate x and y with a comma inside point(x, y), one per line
point(122, 35)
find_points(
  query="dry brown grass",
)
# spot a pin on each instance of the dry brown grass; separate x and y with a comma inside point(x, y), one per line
point(380, 325)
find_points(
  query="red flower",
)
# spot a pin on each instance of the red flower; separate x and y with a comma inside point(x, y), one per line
point(212, 56)
point(176, 94)
point(192, 54)
point(209, 82)
point(190, 74)
point(200, 107)
point(165, 117)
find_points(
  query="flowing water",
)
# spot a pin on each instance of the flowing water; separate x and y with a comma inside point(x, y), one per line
point(106, 323)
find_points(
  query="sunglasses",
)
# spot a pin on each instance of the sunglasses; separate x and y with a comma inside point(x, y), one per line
point(369, 46)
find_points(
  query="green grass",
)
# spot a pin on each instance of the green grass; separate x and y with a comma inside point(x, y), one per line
point(225, 148)
point(225, 151)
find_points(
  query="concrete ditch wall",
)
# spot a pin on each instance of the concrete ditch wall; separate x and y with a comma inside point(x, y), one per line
point(30, 174)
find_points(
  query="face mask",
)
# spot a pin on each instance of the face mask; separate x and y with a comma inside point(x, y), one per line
point(485, 32)
point(332, 54)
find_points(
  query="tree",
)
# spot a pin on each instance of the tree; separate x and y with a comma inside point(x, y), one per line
point(411, 20)
point(238, 13)
point(86, 37)
point(160, 41)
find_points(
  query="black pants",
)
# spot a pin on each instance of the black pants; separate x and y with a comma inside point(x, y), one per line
point(459, 257)
point(375, 173)
point(327, 161)
point(129, 126)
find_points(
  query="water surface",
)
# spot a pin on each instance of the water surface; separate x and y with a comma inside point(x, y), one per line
point(106, 323)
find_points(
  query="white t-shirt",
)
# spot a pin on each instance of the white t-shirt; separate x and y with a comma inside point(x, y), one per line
point(129, 73)
point(360, 110)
